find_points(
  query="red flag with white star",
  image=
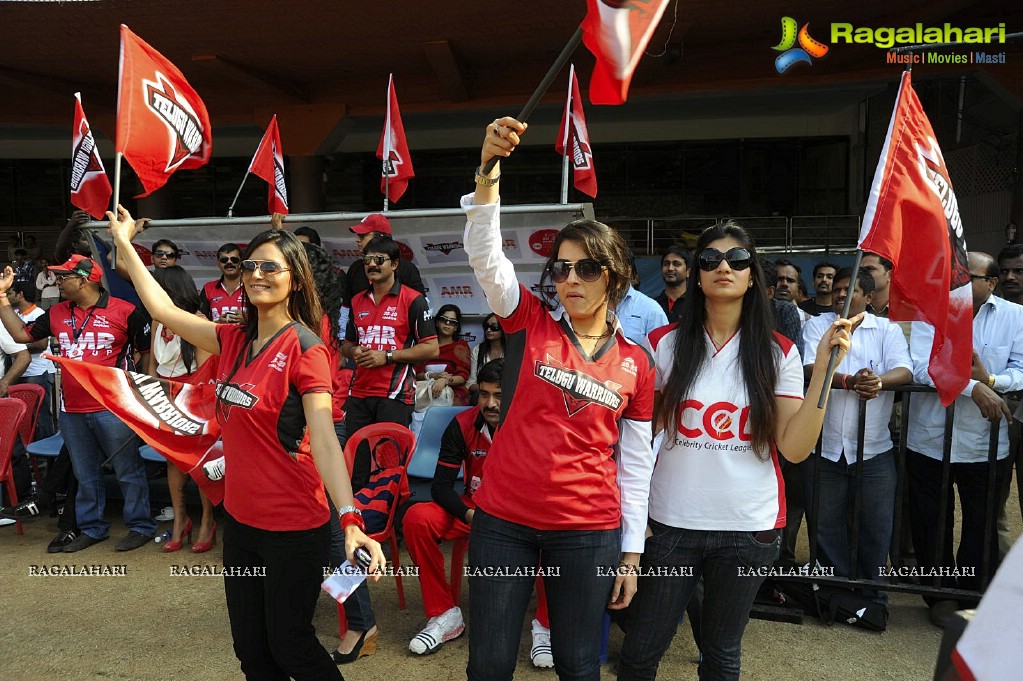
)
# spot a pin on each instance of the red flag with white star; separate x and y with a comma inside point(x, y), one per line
point(393, 150)
point(268, 164)
point(617, 32)
point(574, 137)
point(912, 219)
point(90, 186)
point(162, 124)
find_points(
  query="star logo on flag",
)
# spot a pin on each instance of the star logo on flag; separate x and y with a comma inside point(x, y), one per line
point(392, 163)
point(582, 157)
point(84, 159)
point(186, 134)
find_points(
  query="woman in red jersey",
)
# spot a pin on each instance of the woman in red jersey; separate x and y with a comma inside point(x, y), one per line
point(273, 399)
point(451, 367)
point(568, 474)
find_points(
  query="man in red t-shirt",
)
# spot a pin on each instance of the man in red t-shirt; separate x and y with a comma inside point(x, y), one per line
point(223, 300)
point(448, 517)
point(92, 326)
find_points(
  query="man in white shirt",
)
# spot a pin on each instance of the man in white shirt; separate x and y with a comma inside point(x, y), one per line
point(40, 371)
point(998, 366)
point(879, 357)
point(14, 359)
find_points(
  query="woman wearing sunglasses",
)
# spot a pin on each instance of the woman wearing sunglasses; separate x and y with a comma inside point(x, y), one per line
point(274, 407)
point(490, 349)
point(730, 399)
point(556, 494)
point(451, 366)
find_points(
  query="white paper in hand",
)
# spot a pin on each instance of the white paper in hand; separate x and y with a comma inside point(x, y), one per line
point(343, 581)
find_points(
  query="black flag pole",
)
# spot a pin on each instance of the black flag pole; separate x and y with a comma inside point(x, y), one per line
point(833, 362)
point(545, 84)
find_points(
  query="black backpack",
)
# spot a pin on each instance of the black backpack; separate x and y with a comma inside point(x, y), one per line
point(833, 604)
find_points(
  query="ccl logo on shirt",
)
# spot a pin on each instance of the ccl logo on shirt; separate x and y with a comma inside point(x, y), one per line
point(719, 421)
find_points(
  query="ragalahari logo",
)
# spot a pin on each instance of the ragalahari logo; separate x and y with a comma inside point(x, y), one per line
point(808, 49)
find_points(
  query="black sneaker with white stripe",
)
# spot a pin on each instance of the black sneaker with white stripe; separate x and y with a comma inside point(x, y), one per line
point(29, 508)
point(61, 540)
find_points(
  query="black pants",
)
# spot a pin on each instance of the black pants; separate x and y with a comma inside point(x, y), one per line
point(924, 477)
point(363, 411)
point(271, 608)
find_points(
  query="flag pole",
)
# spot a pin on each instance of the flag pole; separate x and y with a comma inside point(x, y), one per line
point(833, 362)
point(568, 136)
point(117, 198)
point(388, 143)
point(544, 85)
point(230, 209)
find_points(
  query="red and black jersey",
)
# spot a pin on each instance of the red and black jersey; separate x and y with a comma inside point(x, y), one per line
point(215, 301)
point(400, 320)
point(464, 445)
point(272, 481)
point(552, 462)
point(105, 334)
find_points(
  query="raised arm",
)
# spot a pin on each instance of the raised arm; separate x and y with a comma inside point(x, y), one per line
point(199, 332)
point(482, 239)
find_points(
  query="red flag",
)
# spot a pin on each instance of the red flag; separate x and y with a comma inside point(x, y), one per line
point(573, 135)
point(177, 419)
point(90, 186)
point(393, 150)
point(268, 163)
point(617, 32)
point(162, 125)
point(912, 219)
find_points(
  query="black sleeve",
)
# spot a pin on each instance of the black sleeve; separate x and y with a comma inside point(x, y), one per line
point(453, 451)
point(421, 320)
point(204, 304)
point(139, 329)
point(408, 274)
point(40, 328)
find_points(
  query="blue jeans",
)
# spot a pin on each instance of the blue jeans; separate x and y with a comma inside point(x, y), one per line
point(91, 440)
point(576, 597)
point(728, 563)
point(877, 511)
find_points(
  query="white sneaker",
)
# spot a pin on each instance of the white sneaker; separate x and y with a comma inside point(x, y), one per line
point(444, 627)
point(540, 653)
point(6, 521)
point(214, 469)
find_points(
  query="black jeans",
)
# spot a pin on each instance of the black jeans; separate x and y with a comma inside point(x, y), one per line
point(271, 607)
point(924, 475)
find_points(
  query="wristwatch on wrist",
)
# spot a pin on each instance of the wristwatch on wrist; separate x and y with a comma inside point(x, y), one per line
point(389, 355)
point(991, 381)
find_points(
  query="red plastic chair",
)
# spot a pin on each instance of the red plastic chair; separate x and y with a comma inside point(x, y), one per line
point(12, 413)
point(406, 441)
point(32, 395)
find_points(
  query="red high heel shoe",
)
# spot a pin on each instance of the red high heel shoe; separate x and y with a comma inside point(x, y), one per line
point(186, 536)
point(204, 546)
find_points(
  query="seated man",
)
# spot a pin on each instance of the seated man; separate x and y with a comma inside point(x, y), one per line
point(465, 444)
point(879, 356)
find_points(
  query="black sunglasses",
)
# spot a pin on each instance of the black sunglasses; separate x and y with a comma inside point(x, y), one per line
point(587, 270)
point(268, 268)
point(493, 327)
point(447, 320)
point(737, 258)
point(375, 259)
point(233, 260)
point(166, 254)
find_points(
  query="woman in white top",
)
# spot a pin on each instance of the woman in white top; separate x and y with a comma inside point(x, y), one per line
point(490, 349)
point(729, 394)
point(173, 357)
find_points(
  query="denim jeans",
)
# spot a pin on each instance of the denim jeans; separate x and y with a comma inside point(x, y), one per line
point(358, 607)
point(728, 562)
point(877, 509)
point(576, 597)
point(92, 439)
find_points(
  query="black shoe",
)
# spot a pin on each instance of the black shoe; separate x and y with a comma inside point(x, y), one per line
point(29, 508)
point(942, 611)
point(83, 541)
point(61, 540)
point(132, 541)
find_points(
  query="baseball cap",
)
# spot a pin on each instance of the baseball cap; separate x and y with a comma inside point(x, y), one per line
point(81, 266)
point(372, 223)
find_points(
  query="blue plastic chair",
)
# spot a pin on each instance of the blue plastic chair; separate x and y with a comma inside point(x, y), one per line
point(424, 463)
point(48, 447)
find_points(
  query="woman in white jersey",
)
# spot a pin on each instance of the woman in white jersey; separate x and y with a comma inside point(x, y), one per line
point(729, 395)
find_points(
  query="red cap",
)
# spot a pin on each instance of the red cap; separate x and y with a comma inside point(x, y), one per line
point(80, 266)
point(372, 223)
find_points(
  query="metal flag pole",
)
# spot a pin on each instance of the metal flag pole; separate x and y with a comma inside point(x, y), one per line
point(388, 143)
point(568, 135)
point(544, 85)
point(230, 209)
point(117, 198)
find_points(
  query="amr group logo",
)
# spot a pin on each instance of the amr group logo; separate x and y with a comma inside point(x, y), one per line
point(796, 45)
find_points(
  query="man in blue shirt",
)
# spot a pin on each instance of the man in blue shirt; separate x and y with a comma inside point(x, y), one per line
point(638, 313)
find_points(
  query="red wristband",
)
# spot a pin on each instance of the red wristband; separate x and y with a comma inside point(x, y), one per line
point(352, 518)
point(845, 381)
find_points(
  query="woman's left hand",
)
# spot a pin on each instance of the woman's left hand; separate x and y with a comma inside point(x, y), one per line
point(354, 538)
point(626, 582)
point(438, 386)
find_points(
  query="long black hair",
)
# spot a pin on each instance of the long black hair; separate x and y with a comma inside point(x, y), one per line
point(331, 288)
point(758, 350)
point(485, 347)
point(180, 286)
